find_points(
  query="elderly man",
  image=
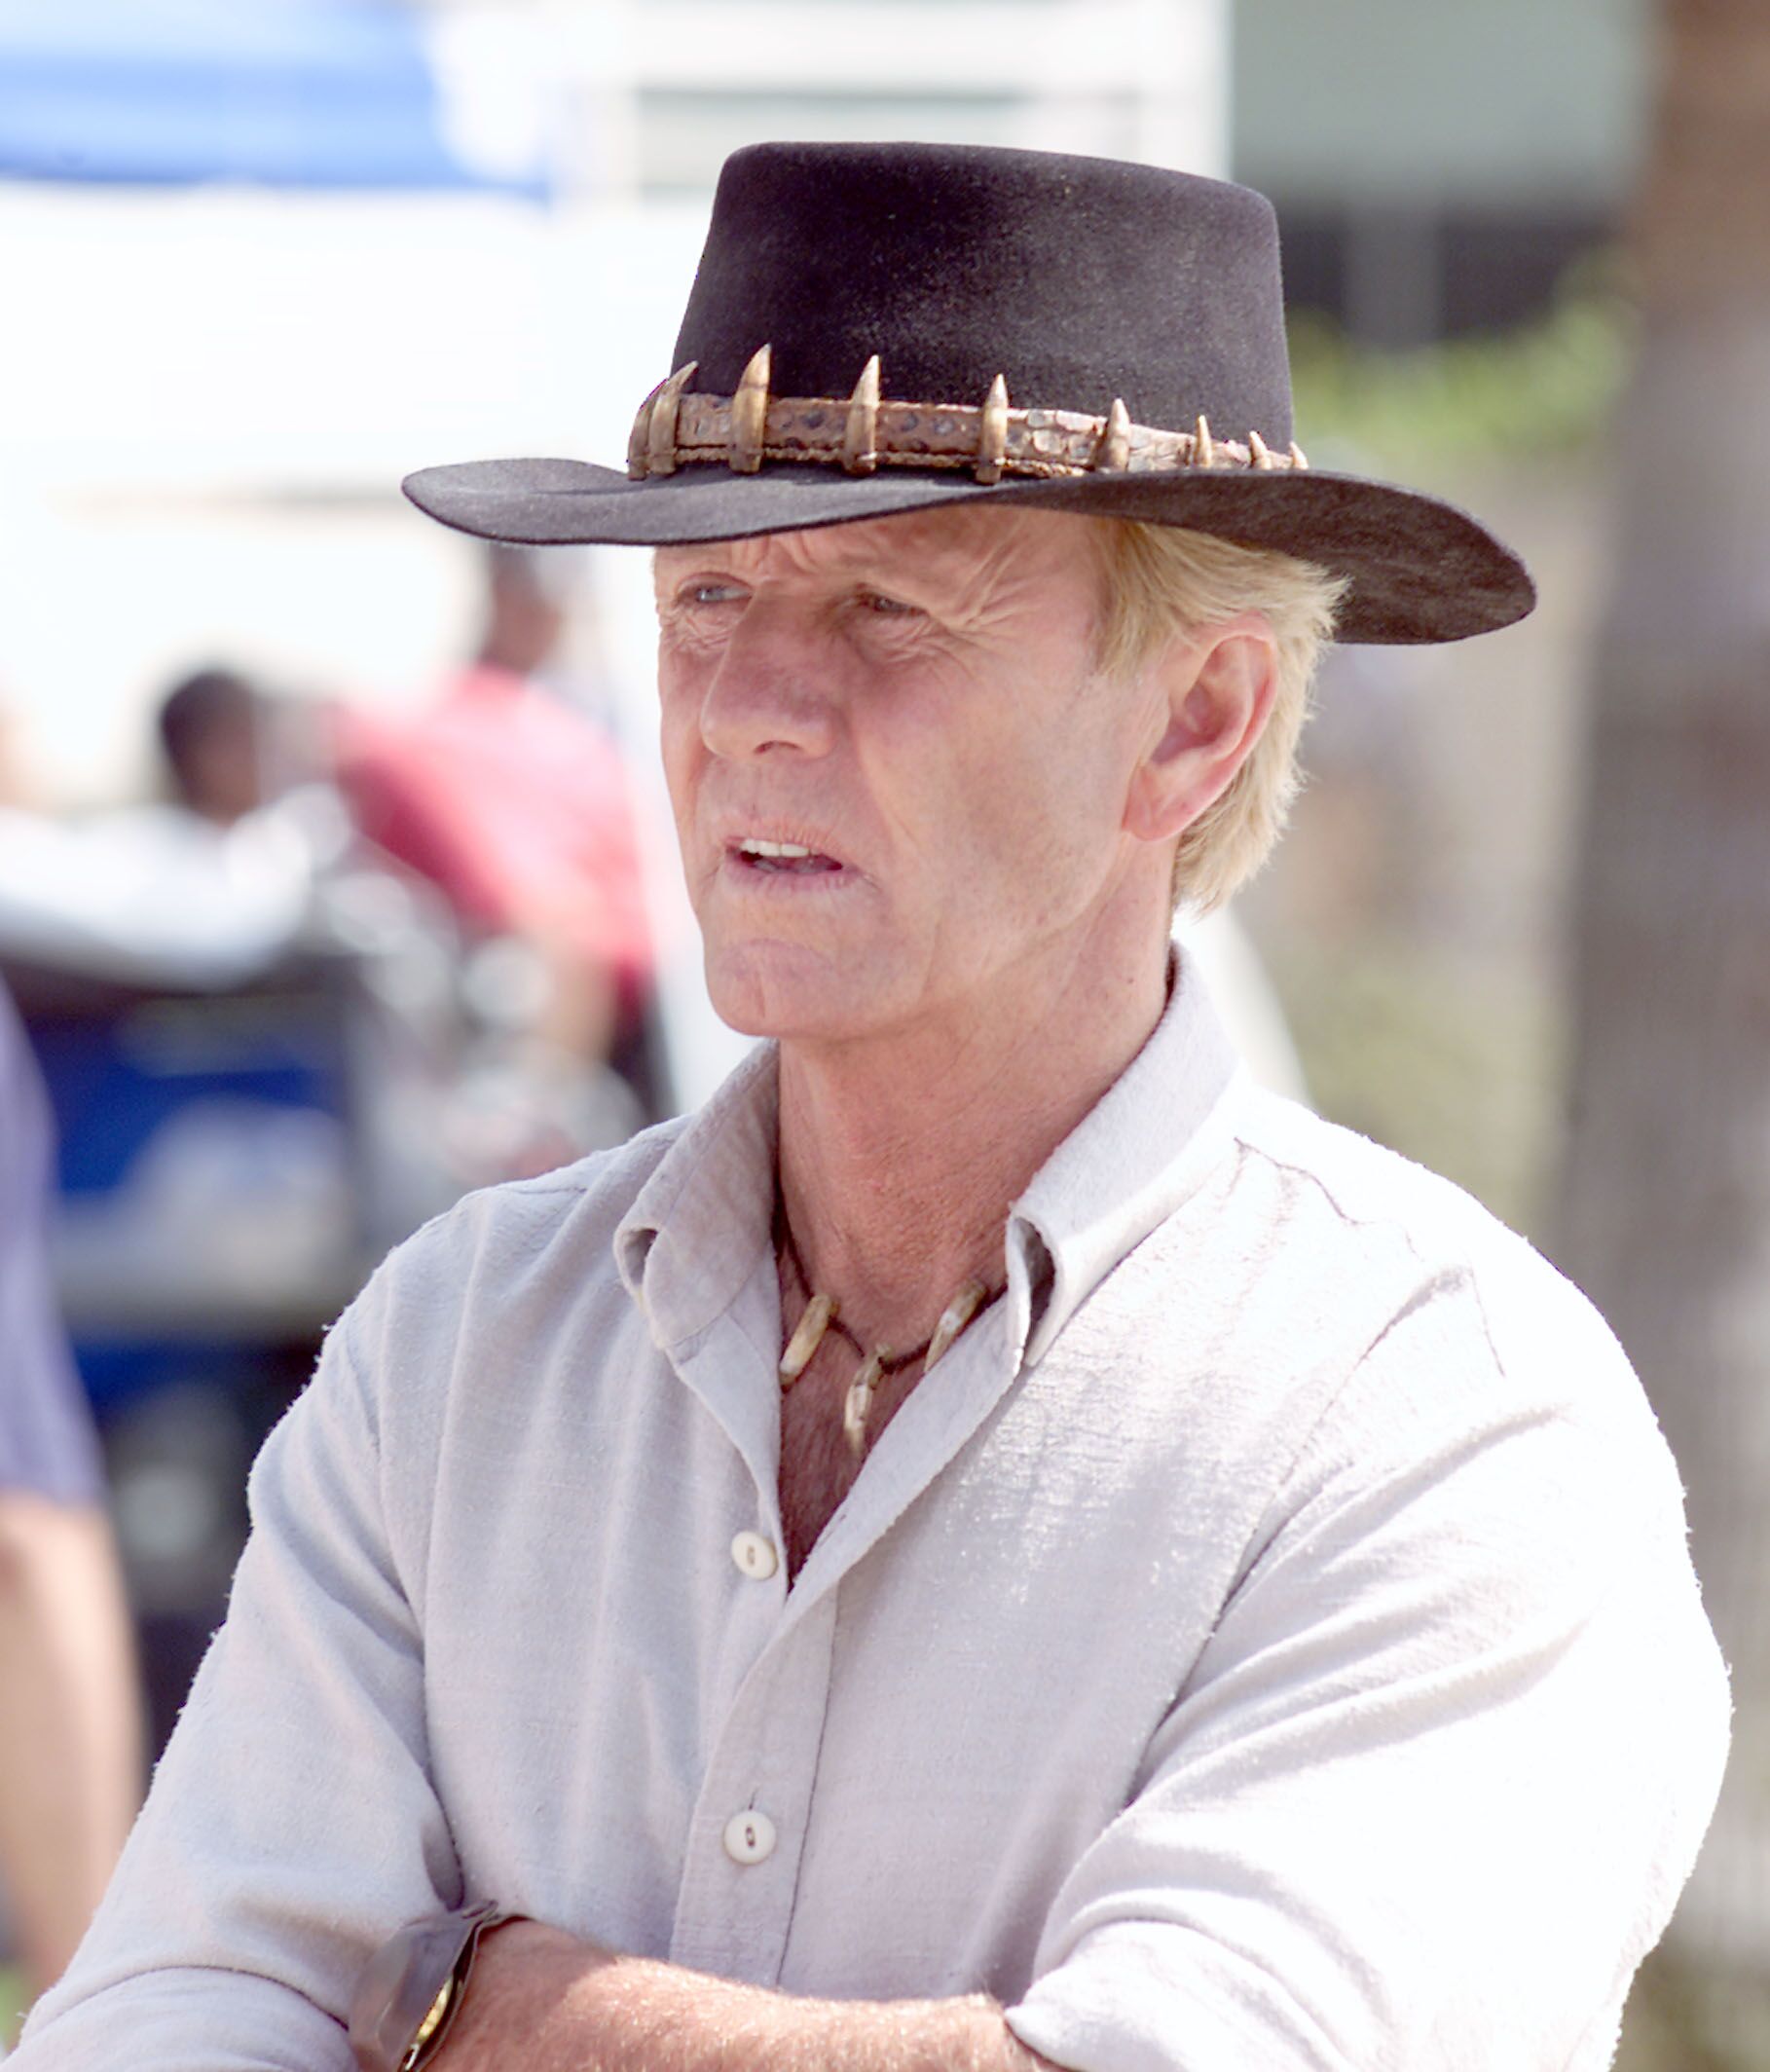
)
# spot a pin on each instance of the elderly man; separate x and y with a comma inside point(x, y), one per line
point(993, 1543)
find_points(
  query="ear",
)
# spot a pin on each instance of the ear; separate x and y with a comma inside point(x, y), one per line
point(1214, 691)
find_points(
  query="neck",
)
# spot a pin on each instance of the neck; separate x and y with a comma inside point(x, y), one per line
point(902, 1155)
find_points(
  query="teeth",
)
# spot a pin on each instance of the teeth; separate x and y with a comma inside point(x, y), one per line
point(752, 846)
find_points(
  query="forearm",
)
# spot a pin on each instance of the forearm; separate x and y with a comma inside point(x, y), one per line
point(70, 1740)
point(557, 2005)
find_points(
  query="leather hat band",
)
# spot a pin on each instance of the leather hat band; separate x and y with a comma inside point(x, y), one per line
point(991, 439)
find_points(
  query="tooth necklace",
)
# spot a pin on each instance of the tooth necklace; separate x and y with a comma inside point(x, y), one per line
point(820, 1317)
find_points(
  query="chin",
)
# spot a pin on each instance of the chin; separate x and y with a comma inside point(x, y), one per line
point(788, 997)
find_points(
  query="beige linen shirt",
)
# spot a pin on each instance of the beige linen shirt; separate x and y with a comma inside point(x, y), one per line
point(1267, 1640)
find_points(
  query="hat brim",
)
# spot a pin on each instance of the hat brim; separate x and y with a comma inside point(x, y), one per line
point(1418, 569)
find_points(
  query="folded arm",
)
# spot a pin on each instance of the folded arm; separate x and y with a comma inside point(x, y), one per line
point(566, 2006)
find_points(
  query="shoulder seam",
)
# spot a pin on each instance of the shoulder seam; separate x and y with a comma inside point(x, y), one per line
point(1457, 1261)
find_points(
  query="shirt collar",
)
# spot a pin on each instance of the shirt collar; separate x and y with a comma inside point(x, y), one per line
point(691, 1239)
point(1139, 1152)
point(692, 1236)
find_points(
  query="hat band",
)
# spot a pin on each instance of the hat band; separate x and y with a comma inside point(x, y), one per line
point(675, 429)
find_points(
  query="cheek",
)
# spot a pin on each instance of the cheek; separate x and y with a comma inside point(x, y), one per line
point(1027, 853)
point(680, 743)
point(1052, 802)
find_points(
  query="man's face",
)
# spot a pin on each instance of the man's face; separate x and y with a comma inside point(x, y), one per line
point(898, 789)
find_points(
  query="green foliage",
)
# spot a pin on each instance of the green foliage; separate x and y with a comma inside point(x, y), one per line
point(12, 2005)
point(1550, 387)
point(1681, 2018)
point(1453, 1060)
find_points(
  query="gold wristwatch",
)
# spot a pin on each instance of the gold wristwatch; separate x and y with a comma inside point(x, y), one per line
point(409, 1991)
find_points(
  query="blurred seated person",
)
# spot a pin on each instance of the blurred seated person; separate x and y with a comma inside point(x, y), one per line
point(70, 1728)
point(208, 884)
point(515, 803)
point(211, 727)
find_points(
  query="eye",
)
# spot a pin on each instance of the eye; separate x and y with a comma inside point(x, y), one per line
point(709, 592)
point(883, 607)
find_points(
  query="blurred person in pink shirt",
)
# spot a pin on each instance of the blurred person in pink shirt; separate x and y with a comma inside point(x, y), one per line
point(516, 804)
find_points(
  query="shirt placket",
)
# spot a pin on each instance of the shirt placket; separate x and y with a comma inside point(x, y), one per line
point(747, 1838)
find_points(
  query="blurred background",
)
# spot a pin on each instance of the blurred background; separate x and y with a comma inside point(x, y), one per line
point(334, 873)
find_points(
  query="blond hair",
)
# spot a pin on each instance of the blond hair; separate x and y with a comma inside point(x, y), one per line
point(1162, 581)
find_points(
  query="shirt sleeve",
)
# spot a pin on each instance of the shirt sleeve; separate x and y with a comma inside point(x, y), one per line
point(47, 1443)
point(291, 1825)
point(1435, 1781)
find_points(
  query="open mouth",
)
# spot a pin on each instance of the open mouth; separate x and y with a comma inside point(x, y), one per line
point(777, 859)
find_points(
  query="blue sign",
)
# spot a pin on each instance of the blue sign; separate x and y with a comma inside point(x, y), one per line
point(308, 94)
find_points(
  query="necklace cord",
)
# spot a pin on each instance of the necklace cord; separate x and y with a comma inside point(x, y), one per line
point(889, 1362)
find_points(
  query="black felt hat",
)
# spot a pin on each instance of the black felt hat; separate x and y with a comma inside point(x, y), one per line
point(878, 328)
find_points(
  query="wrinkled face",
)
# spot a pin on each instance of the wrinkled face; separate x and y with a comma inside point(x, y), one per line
point(898, 789)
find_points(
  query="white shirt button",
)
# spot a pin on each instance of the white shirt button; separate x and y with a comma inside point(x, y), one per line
point(750, 1838)
point(755, 1555)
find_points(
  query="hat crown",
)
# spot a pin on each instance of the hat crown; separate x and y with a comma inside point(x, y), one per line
point(1079, 279)
point(1004, 285)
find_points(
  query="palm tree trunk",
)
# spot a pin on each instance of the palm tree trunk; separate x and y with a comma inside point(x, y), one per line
point(1665, 1214)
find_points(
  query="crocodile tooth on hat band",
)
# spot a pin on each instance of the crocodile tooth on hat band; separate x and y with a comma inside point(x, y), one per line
point(860, 429)
point(1114, 449)
point(750, 414)
point(651, 447)
point(992, 432)
point(860, 433)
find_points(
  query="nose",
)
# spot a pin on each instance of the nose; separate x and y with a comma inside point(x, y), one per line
point(769, 693)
